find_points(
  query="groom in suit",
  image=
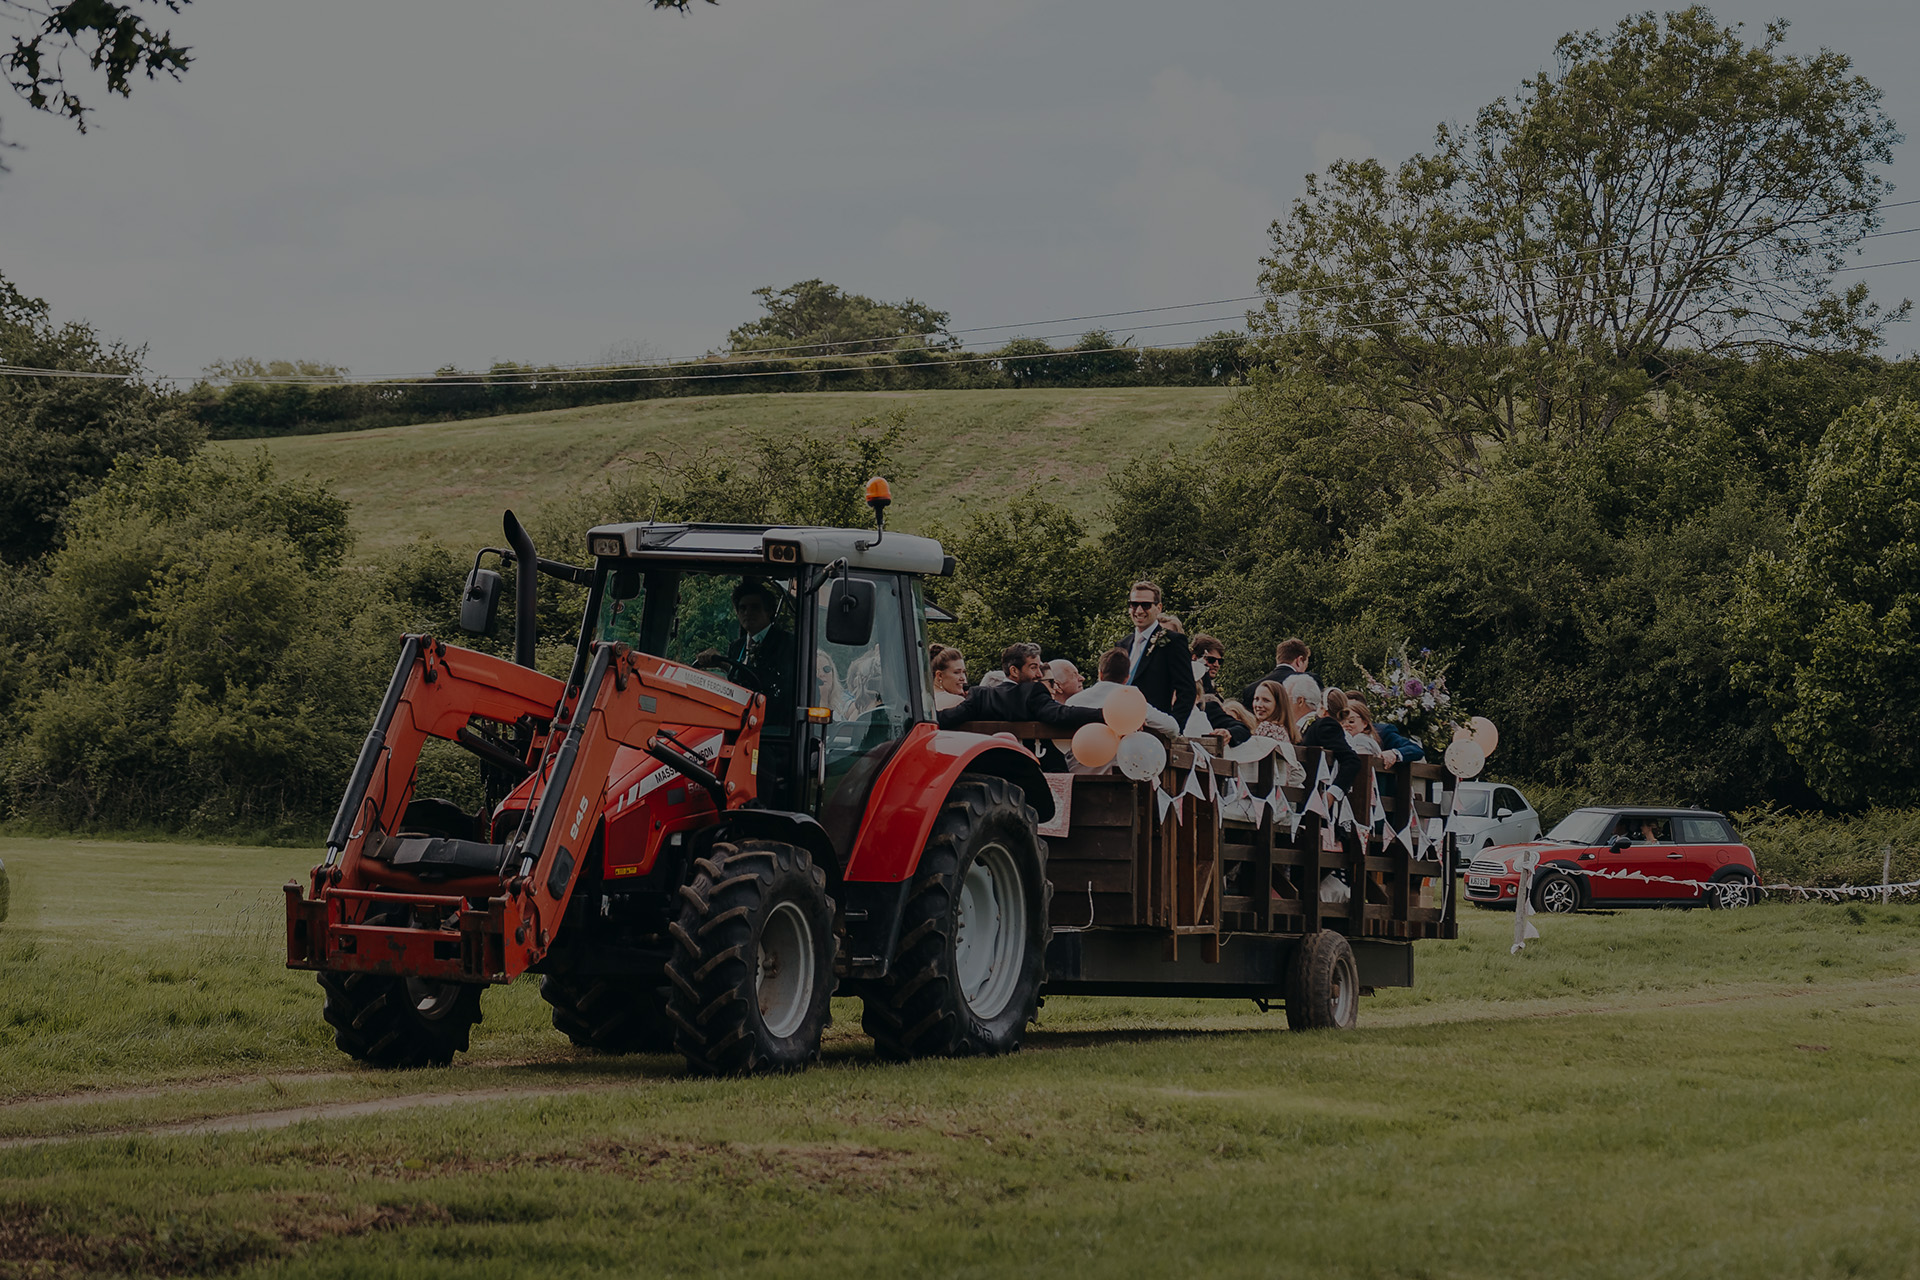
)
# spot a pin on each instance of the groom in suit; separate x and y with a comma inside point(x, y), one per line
point(1159, 664)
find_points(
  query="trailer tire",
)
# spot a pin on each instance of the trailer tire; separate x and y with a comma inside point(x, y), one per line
point(399, 1022)
point(1323, 984)
point(608, 1014)
point(984, 873)
point(752, 965)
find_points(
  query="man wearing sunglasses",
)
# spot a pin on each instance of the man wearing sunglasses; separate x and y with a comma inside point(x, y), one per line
point(1159, 664)
point(1208, 655)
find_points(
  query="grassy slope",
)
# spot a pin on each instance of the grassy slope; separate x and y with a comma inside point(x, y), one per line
point(452, 479)
point(1653, 1093)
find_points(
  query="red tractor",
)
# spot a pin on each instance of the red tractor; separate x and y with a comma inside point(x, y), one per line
point(736, 804)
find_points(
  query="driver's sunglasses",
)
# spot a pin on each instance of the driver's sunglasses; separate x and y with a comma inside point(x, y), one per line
point(1140, 604)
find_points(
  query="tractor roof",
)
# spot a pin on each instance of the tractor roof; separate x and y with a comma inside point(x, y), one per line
point(776, 544)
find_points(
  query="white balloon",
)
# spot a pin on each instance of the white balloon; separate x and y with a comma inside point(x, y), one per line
point(1141, 756)
point(1465, 759)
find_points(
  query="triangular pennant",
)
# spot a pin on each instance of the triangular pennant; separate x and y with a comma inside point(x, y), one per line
point(1377, 813)
point(1194, 786)
point(1405, 837)
point(1162, 801)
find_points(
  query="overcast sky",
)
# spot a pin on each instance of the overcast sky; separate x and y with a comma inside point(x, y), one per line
point(396, 187)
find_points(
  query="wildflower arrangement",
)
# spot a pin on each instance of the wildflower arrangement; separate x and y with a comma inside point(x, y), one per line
point(1411, 694)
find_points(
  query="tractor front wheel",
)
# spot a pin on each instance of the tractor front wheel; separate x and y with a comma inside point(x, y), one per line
point(752, 966)
point(972, 956)
point(399, 1022)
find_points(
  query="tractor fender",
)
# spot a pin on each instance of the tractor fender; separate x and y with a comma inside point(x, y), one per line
point(907, 797)
point(799, 829)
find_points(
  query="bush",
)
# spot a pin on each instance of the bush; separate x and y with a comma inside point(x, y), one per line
point(1811, 849)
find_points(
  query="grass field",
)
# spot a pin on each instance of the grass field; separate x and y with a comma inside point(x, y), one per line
point(451, 480)
point(1651, 1094)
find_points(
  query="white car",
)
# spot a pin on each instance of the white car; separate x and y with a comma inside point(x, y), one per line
point(1490, 813)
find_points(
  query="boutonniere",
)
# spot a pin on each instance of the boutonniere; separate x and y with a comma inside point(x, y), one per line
point(1161, 638)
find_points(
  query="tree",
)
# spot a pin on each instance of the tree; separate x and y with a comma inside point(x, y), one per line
point(814, 318)
point(1028, 573)
point(1829, 623)
point(1667, 186)
point(59, 436)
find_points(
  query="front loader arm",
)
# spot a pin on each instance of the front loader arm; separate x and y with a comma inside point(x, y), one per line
point(624, 700)
point(494, 932)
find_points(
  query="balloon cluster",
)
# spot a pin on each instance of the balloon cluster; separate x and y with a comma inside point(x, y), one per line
point(1120, 740)
point(1472, 743)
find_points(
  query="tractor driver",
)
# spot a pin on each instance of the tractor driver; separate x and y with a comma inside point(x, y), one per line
point(763, 648)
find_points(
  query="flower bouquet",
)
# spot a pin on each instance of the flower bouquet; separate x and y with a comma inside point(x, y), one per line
point(1411, 694)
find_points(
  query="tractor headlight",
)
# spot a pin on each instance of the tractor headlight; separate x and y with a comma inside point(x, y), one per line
point(606, 544)
point(783, 552)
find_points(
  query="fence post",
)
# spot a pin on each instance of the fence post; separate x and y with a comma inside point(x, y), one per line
point(1886, 871)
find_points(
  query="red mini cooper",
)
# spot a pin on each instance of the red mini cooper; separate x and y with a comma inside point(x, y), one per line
point(1662, 845)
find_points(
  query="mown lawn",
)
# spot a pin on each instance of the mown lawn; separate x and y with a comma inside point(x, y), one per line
point(1643, 1094)
point(451, 480)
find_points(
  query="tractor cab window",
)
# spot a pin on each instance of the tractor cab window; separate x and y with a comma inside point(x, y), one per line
point(742, 627)
point(862, 701)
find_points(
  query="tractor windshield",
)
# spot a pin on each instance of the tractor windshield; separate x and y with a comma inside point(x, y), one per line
point(741, 627)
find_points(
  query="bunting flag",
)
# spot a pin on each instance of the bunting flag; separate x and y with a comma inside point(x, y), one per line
point(1317, 793)
point(1377, 815)
point(1194, 787)
point(1406, 839)
point(1431, 835)
point(1162, 800)
point(1203, 765)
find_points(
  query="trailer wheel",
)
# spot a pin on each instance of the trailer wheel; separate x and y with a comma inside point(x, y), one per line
point(1323, 983)
point(966, 976)
point(399, 1022)
point(752, 968)
point(608, 1014)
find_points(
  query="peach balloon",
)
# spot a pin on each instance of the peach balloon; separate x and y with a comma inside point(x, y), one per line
point(1094, 745)
point(1485, 736)
point(1126, 710)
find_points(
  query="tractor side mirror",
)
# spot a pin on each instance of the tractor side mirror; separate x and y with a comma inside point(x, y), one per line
point(480, 602)
point(850, 612)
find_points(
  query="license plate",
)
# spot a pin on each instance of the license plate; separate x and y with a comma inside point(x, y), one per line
point(1478, 882)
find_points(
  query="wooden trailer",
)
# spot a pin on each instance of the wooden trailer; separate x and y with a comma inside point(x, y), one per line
point(1194, 903)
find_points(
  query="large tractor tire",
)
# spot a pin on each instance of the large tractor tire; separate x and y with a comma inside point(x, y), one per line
point(611, 1015)
point(1323, 984)
point(966, 976)
point(399, 1022)
point(752, 968)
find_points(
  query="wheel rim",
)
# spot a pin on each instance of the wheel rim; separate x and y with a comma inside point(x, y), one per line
point(431, 1000)
point(1343, 999)
point(783, 983)
point(1736, 893)
point(1558, 897)
point(991, 935)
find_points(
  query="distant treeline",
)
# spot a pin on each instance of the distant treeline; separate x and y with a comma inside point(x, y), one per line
point(244, 409)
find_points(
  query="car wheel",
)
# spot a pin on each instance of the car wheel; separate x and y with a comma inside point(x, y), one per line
point(1556, 893)
point(1731, 891)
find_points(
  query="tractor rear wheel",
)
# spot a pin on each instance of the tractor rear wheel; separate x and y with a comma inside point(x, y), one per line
point(966, 976)
point(752, 968)
point(399, 1022)
point(609, 1014)
point(1323, 983)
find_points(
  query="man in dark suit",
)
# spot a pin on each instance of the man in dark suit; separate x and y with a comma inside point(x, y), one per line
point(1161, 667)
point(1025, 696)
point(764, 649)
point(1289, 659)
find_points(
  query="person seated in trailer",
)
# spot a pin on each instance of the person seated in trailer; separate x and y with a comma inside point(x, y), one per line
point(1159, 664)
point(1301, 699)
point(1208, 655)
point(1270, 720)
point(1395, 747)
point(764, 648)
point(1290, 658)
point(1321, 728)
point(1114, 665)
point(1358, 722)
point(1064, 679)
point(949, 677)
point(1022, 695)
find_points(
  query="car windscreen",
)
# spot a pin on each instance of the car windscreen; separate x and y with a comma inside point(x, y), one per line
point(1582, 826)
point(1471, 804)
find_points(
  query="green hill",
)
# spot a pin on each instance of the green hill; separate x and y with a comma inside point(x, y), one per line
point(452, 479)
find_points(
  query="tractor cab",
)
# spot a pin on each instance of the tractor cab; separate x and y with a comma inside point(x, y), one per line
point(829, 625)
